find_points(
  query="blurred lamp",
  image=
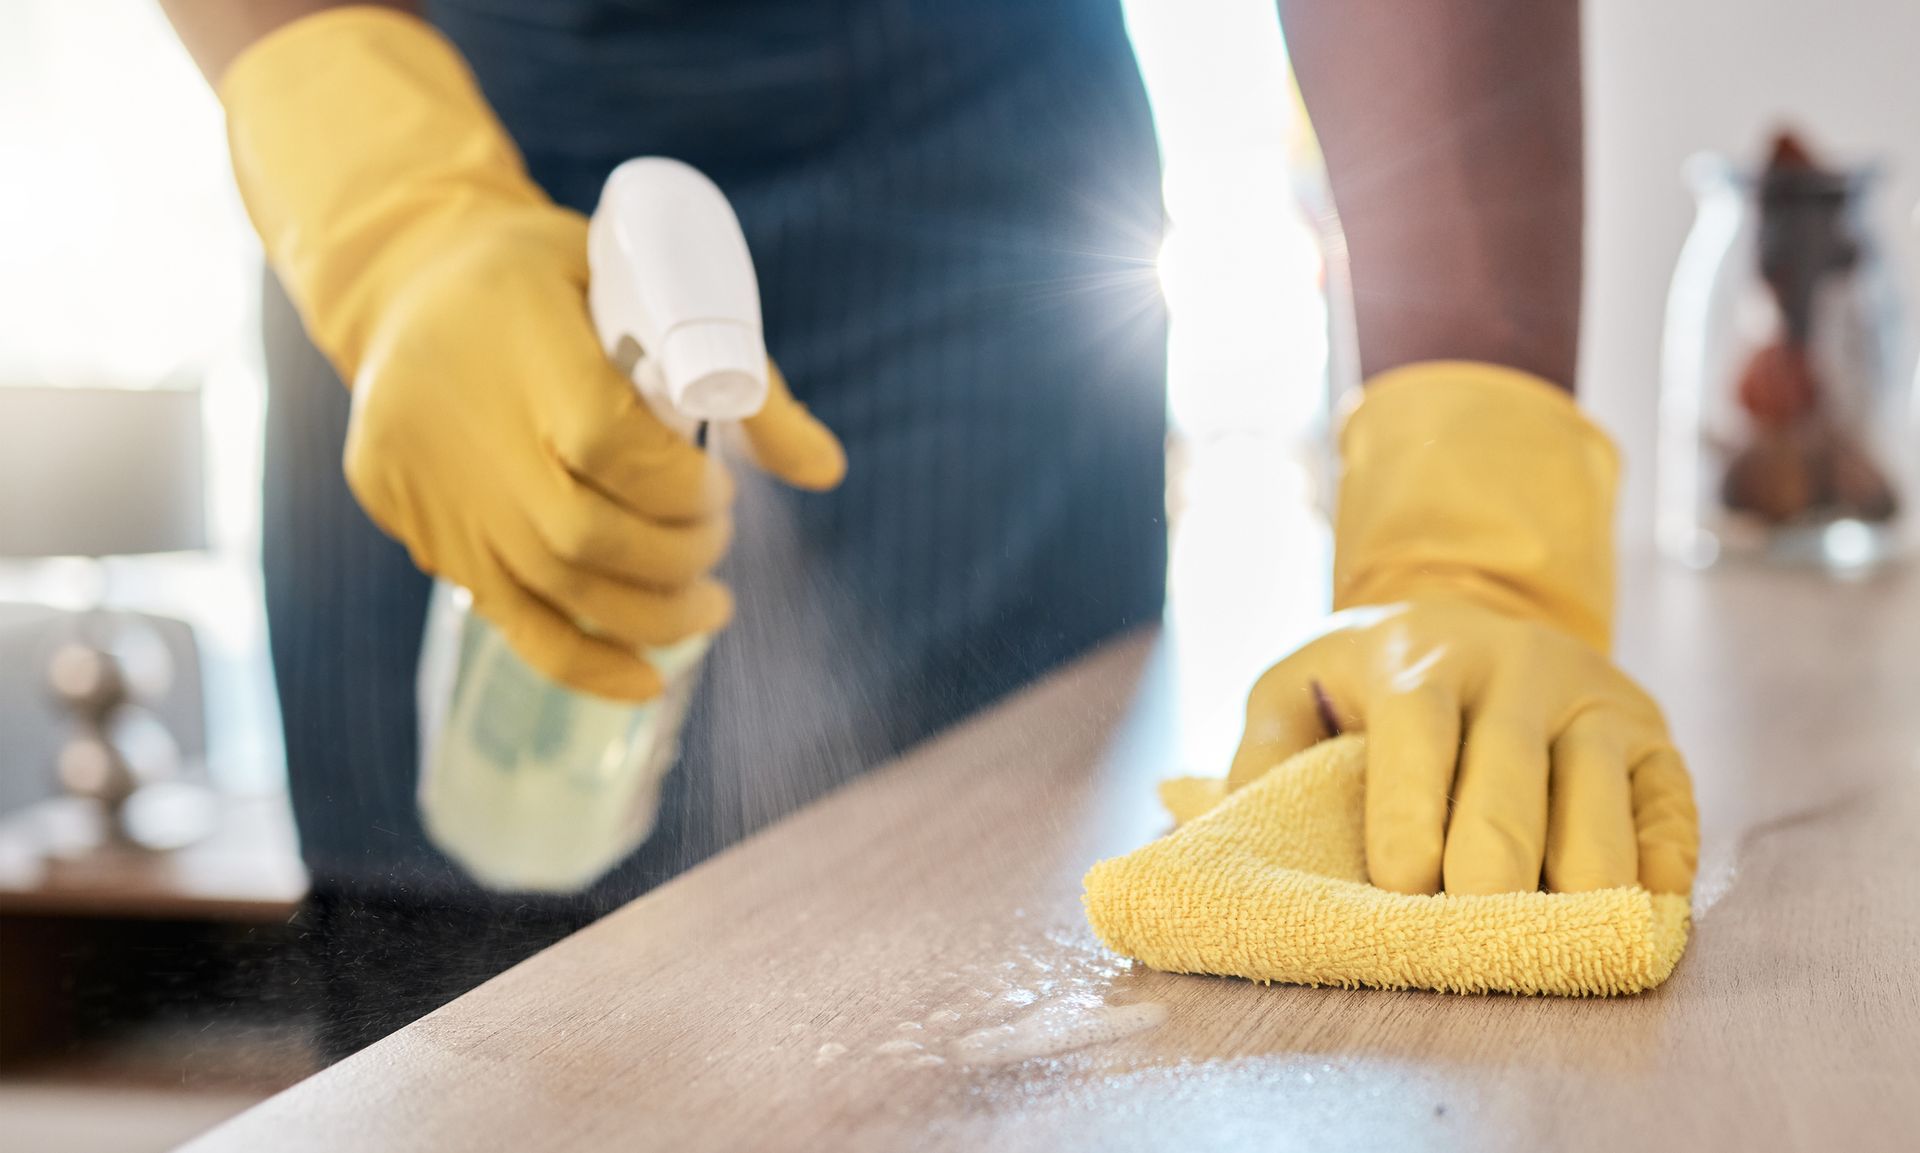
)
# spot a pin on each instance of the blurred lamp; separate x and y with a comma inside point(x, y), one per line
point(98, 473)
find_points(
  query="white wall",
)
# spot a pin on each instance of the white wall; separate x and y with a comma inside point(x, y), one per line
point(1666, 78)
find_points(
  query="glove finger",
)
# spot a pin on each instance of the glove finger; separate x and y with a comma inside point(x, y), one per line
point(600, 430)
point(592, 417)
point(1413, 745)
point(1590, 833)
point(1498, 835)
point(621, 449)
point(1283, 716)
point(614, 610)
point(585, 529)
point(787, 442)
point(549, 642)
point(1667, 823)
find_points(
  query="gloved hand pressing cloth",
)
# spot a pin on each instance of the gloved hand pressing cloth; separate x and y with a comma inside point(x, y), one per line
point(1516, 817)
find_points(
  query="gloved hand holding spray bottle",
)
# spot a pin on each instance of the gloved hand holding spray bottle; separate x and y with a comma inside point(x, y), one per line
point(528, 784)
point(492, 437)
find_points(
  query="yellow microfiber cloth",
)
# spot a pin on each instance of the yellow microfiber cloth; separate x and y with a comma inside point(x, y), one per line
point(1270, 883)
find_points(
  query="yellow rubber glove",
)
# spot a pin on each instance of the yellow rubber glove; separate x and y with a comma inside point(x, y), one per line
point(489, 432)
point(1474, 567)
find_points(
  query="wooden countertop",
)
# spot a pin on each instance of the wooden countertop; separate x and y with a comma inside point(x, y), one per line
point(807, 989)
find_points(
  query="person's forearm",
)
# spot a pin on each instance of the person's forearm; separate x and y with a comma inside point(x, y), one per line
point(216, 31)
point(1452, 135)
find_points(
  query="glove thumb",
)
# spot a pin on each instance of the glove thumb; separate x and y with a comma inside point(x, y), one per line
point(787, 442)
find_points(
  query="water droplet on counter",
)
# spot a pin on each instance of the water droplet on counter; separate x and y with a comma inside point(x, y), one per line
point(830, 1051)
point(943, 1016)
point(1051, 1030)
point(1719, 870)
point(907, 1025)
point(900, 1046)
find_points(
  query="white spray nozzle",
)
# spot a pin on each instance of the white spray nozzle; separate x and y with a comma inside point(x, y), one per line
point(673, 293)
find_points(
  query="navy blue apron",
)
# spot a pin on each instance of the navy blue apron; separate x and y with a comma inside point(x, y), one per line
point(954, 210)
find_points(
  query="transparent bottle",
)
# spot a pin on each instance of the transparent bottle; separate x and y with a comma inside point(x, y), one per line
point(1786, 420)
point(530, 785)
point(527, 784)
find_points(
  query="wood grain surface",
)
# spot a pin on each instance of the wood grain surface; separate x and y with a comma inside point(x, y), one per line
point(810, 989)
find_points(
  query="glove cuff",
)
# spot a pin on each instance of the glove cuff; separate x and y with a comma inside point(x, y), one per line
point(1475, 480)
point(357, 135)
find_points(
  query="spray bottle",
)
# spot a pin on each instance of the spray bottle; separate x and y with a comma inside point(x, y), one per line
point(529, 785)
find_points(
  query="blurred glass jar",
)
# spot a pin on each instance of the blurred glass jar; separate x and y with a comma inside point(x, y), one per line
point(1786, 427)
